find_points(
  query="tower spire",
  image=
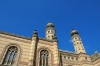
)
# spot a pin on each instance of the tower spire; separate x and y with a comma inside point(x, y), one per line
point(77, 42)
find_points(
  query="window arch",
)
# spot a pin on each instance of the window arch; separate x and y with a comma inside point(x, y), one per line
point(10, 56)
point(44, 57)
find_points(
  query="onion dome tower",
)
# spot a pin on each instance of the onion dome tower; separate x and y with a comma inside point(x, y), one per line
point(50, 31)
point(77, 42)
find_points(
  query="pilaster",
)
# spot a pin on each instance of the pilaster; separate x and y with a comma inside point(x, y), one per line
point(56, 52)
point(33, 49)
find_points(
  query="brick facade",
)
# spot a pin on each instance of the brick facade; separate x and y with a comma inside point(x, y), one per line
point(29, 52)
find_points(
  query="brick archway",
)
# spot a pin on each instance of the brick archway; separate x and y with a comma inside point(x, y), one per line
point(38, 53)
point(5, 50)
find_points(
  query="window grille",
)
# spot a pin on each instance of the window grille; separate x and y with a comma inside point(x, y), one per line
point(10, 56)
point(44, 56)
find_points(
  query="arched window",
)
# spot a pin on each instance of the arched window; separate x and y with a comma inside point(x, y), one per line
point(44, 56)
point(10, 56)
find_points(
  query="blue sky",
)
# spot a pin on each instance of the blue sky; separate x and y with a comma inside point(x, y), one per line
point(24, 16)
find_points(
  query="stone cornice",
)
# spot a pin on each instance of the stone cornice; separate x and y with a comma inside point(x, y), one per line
point(15, 35)
point(23, 37)
point(44, 39)
point(95, 58)
point(69, 52)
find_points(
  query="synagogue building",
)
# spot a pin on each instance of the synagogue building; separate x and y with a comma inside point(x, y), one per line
point(17, 50)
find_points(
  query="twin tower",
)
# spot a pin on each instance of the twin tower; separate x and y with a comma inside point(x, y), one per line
point(76, 39)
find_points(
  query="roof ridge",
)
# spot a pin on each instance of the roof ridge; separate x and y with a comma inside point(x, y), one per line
point(15, 35)
point(68, 51)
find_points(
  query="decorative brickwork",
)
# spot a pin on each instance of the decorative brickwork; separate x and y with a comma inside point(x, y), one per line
point(29, 50)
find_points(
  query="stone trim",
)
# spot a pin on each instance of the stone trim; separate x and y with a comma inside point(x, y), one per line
point(67, 52)
point(95, 59)
point(15, 35)
point(44, 42)
point(23, 37)
point(24, 63)
point(7, 37)
point(46, 39)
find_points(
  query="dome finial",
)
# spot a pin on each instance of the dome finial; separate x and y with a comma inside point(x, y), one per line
point(74, 32)
point(35, 33)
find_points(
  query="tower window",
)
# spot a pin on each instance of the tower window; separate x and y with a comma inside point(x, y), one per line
point(75, 38)
point(10, 56)
point(48, 31)
point(52, 31)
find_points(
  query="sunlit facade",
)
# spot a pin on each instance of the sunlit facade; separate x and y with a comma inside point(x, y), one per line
point(16, 50)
